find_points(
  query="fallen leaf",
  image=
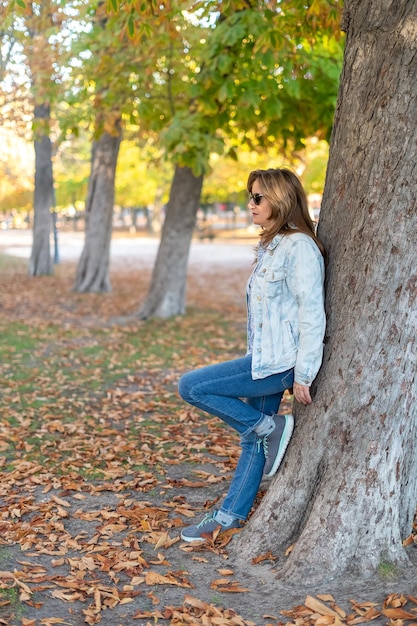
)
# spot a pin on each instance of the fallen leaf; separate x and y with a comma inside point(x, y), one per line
point(227, 586)
point(398, 614)
point(318, 607)
point(153, 578)
point(268, 556)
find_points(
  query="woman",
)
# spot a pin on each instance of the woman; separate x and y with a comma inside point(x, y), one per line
point(286, 322)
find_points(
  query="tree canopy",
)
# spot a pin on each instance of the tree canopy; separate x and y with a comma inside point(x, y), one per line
point(190, 79)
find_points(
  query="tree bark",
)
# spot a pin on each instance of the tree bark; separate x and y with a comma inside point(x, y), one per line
point(93, 266)
point(40, 263)
point(166, 296)
point(346, 494)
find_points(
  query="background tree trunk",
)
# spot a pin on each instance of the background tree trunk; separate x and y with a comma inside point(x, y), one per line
point(166, 295)
point(346, 494)
point(93, 266)
point(40, 263)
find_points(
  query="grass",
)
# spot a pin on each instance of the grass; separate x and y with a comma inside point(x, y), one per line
point(387, 570)
point(10, 603)
point(65, 387)
point(118, 354)
point(11, 263)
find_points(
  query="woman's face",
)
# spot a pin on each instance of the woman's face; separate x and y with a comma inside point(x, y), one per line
point(261, 213)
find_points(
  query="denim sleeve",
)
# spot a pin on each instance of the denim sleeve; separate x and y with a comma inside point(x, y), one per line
point(305, 280)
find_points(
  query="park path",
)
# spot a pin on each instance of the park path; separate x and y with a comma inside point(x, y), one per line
point(135, 250)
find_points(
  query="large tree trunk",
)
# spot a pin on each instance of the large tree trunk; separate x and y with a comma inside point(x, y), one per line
point(346, 494)
point(40, 263)
point(166, 296)
point(93, 267)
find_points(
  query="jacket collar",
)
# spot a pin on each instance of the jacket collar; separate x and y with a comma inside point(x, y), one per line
point(276, 240)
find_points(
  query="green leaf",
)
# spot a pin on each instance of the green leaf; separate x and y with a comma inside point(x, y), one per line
point(232, 154)
point(131, 26)
point(113, 5)
point(224, 92)
point(273, 108)
point(277, 39)
point(208, 106)
point(224, 63)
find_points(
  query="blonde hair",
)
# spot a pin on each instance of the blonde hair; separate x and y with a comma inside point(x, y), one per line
point(288, 201)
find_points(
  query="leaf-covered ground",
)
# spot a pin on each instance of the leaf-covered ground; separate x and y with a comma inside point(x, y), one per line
point(101, 465)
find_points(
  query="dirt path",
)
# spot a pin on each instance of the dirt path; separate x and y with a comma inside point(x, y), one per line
point(115, 558)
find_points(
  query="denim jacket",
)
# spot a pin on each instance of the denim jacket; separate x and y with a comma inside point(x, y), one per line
point(286, 302)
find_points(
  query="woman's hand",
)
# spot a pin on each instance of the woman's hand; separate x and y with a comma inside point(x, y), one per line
point(302, 393)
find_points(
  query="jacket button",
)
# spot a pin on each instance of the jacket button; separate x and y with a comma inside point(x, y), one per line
point(259, 298)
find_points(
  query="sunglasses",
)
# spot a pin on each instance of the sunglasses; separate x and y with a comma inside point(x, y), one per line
point(256, 198)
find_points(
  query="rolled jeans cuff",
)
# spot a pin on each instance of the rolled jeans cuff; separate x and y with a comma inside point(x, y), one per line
point(252, 429)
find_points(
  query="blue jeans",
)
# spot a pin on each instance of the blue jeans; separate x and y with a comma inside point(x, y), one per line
point(228, 391)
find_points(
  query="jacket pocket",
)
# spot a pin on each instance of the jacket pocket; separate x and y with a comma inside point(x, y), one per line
point(274, 283)
point(290, 340)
